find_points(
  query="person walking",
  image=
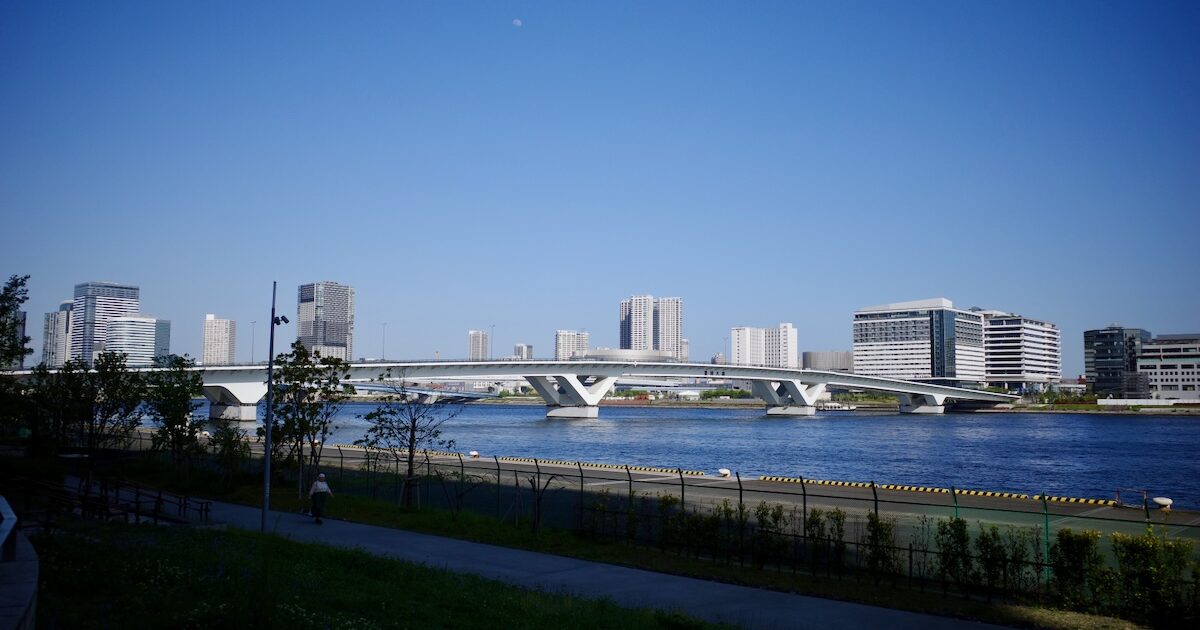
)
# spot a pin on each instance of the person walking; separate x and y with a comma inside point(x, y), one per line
point(319, 493)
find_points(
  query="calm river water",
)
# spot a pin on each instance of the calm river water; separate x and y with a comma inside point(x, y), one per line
point(1062, 454)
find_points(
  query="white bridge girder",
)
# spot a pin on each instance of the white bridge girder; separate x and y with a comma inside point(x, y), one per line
point(234, 401)
point(574, 388)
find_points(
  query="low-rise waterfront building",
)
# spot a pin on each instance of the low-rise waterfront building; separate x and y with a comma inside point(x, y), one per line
point(1171, 366)
point(1021, 353)
point(922, 340)
point(828, 360)
point(1110, 361)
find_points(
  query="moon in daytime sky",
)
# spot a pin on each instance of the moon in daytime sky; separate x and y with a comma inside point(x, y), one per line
point(517, 23)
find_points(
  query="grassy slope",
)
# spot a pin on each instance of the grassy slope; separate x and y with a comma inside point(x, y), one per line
point(123, 576)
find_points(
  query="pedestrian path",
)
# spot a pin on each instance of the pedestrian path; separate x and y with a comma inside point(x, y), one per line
point(634, 588)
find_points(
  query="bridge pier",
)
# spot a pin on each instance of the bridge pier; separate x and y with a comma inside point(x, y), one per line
point(791, 410)
point(234, 401)
point(788, 398)
point(922, 403)
point(567, 396)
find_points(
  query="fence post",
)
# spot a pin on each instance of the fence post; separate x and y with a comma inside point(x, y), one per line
point(739, 480)
point(954, 495)
point(341, 466)
point(875, 494)
point(579, 518)
point(682, 492)
point(498, 484)
point(1046, 539)
point(804, 511)
point(910, 564)
point(629, 476)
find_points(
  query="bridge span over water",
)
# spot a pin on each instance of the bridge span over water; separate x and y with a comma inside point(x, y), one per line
point(573, 389)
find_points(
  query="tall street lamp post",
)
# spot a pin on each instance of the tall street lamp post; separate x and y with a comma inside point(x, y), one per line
point(270, 420)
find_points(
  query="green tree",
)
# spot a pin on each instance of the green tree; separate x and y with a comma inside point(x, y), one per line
point(228, 444)
point(405, 422)
point(13, 403)
point(12, 343)
point(58, 402)
point(309, 392)
point(170, 399)
point(113, 394)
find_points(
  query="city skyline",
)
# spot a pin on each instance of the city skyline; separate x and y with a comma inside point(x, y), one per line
point(883, 167)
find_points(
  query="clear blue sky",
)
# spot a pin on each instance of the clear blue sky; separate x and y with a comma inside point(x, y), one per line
point(767, 162)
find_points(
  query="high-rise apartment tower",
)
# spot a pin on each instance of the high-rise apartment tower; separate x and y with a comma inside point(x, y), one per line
point(95, 303)
point(56, 339)
point(325, 319)
point(569, 342)
point(141, 339)
point(478, 348)
point(648, 323)
point(220, 341)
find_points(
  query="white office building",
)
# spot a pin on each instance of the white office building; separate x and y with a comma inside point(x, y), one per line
point(568, 343)
point(478, 348)
point(94, 305)
point(926, 340)
point(769, 347)
point(56, 336)
point(220, 340)
point(1171, 364)
point(140, 338)
point(523, 352)
point(649, 323)
point(325, 319)
point(1020, 353)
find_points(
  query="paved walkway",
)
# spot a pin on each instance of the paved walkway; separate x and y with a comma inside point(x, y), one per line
point(713, 601)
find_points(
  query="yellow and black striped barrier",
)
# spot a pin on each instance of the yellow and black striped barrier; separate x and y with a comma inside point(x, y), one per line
point(1107, 502)
point(559, 462)
point(988, 493)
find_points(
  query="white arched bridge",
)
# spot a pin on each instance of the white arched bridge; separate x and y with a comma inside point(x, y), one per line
point(573, 389)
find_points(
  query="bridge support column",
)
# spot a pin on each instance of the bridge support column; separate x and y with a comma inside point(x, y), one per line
point(234, 401)
point(568, 397)
point(922, 403)
point(789, 398)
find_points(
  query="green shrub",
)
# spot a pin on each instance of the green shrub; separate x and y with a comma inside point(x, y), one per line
point(990, 549)
point(881, 543)
point(954, 552)
point(1078, 566)
point(837, 533)
point(1152, 576)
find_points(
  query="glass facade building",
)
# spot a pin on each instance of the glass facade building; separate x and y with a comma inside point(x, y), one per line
point(1110, 362)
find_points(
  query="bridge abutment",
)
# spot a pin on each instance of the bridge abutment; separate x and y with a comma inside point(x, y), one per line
point(922, 403)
